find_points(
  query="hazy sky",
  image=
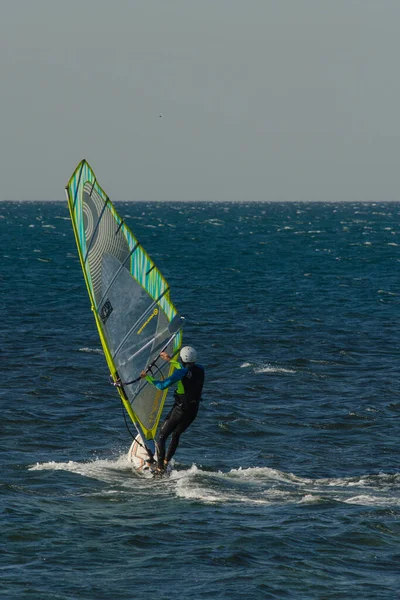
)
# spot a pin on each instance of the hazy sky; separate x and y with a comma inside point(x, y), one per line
point(201, 99)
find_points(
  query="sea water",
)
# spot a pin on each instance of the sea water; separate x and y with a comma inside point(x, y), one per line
point(287, 485)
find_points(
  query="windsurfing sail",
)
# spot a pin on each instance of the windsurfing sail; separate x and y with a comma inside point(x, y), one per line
point(130, 299)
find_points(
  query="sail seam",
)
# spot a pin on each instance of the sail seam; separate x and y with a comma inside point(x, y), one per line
point(119, 227)
point(91, 191)
point(150, 270)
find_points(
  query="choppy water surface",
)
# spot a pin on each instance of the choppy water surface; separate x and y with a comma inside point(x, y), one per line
point(286, 486)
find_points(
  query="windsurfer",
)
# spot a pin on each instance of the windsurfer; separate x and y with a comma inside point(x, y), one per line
point(189, 375)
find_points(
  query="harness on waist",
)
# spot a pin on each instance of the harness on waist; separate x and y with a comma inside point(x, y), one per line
point(186, 401)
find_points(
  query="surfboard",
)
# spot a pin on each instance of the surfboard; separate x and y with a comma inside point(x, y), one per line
point(139, 458)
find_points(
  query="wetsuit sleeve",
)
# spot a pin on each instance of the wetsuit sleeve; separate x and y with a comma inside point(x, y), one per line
point(163, 385)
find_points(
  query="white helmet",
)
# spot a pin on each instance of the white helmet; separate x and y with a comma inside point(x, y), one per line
point(188, 354)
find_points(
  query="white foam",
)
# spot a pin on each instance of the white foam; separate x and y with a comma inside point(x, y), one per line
point(101, 469)
point(262, 473)
point(270, 369)
point(310, 499)
point(252, 485)
point(91, 350)
point(194, 484)
point(216, 222)
point(366, 500)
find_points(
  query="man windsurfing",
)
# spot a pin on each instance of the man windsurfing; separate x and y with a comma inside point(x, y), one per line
point(189, 375)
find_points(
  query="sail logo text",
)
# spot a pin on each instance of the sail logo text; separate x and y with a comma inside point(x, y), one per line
point(153, 314)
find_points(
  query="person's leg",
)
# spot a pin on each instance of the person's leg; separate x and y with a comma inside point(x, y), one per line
point(181, 426)
point(170, 423)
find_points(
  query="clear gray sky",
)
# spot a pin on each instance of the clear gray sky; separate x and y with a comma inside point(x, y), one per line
point(201, 99)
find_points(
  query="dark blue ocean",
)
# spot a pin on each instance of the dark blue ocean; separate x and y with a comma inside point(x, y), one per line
point(286, 486)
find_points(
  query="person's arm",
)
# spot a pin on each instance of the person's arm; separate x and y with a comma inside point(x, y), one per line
point(176, 376)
